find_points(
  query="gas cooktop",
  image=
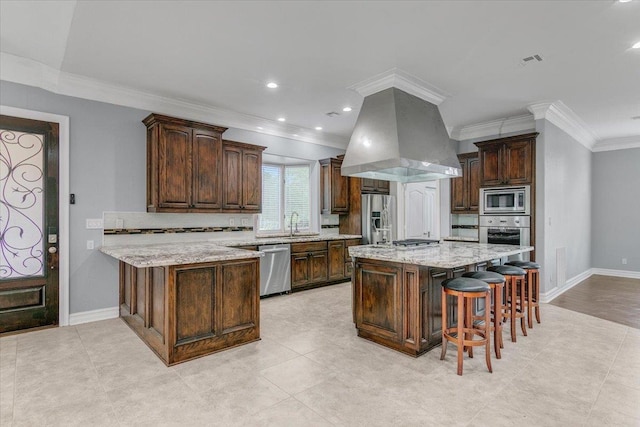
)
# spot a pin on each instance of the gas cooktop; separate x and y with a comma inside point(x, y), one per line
point(414, 243)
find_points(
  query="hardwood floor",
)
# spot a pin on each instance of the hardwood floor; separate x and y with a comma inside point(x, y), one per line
point(612, 298)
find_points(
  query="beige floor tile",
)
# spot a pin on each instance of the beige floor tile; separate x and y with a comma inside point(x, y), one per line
point(296, 375)
point(247, 395)
point(288, 413)
point(622, 399)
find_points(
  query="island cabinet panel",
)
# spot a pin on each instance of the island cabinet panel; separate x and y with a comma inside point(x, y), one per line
point(195, 289)
point(399, 305)
point(238, 301)
point(184, 312)
point(379, 296)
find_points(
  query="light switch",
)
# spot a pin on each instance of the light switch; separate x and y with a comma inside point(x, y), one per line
point(89, 244)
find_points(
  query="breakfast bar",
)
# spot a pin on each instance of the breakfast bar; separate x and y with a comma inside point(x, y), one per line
point(396, 297)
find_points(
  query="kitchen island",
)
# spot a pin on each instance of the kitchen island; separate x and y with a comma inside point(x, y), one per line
point(189, 300)
point(397, 292)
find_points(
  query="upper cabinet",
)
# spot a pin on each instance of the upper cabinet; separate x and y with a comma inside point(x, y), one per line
point(242, 169)
point(374, 186)
point(334, 187)
point(507, 161)
point(465, 191)
point(187, 168)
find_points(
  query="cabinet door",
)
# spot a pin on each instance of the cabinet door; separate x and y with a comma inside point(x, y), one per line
point(252, 180)
point(336, 260)
point(174, 162)
point(491, 164)
point(518, 166)
point(238, 303)
point(339, 189)
point(299, 269)
point(368, 185)
point(473, 184)
point(318, 265)
point(459, 190)
point(382, 187)
point(207, 183)
point(232, 172)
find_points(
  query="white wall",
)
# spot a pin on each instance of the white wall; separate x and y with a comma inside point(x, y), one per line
point(616, 210)
point(563, 206)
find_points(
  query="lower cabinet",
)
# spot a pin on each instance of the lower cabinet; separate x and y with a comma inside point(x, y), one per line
point(187, 311)
point(316, 264)
point(400, 305)
point(336, 260)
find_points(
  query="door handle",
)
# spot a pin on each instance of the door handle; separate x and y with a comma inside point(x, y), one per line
point(53, 250)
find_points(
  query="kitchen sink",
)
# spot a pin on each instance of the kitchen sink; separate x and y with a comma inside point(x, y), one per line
point(287, 235)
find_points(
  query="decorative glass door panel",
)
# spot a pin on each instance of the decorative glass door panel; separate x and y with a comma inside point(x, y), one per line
point(22, 204)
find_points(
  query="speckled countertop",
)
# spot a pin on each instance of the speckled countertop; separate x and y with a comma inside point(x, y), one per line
point(443, 255)
point(163, 254)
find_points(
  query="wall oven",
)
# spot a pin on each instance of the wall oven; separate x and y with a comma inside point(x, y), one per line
point(506, 230)
point(505, 200)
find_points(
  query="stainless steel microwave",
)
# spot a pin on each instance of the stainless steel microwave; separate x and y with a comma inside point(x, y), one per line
point(505, 200)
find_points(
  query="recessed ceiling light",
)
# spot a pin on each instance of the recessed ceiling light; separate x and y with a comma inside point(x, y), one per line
point(272, 85)
point(624, 1)
point(318, 127)
point(346, 109)
point(636, 46)
point(295, 134)
point(259, 127)
point(281, 119)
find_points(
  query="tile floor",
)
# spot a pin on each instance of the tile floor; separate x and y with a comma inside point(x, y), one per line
point(310, 369)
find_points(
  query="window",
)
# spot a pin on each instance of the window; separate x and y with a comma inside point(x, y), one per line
point(285, 189)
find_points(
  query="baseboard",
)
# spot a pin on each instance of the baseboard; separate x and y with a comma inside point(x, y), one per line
point(557, 291)
point(617, 273)
point(93, 315)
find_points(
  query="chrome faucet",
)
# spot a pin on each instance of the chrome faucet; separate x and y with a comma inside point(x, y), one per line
point(291, 223)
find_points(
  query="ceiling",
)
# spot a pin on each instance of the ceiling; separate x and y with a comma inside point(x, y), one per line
point(218, 56)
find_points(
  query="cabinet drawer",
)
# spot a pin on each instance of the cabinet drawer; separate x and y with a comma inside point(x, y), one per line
point(308, 247)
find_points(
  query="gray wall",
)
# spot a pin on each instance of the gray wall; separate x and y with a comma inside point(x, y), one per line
point(563, 209)
point(616, 210)
point(107, 173)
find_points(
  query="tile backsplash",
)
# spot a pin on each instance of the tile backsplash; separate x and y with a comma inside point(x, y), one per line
point(464, 225)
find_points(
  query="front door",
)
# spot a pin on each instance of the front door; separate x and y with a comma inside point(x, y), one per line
point(28, 224)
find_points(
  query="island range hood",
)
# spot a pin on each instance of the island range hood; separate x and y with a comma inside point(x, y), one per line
point(400, 137)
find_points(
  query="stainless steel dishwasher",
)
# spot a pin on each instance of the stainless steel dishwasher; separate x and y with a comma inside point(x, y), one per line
point(275, 269)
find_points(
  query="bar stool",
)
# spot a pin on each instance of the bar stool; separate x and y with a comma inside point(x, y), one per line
point(496, 283)
point(533, 287)
point(515, 299)
point(466, 290)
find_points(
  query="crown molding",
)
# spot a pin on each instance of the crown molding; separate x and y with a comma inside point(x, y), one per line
point(562, 116)
point(403, 81)
point(494, 127)
point(617, 143)
point(32, 73)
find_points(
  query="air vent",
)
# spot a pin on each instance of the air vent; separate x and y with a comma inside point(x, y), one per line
point(531, 59)
point(332, 114)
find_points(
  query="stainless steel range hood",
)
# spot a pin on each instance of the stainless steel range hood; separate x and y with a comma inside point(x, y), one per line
point(400, 137)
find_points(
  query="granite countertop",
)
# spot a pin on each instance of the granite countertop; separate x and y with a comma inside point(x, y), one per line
point(443, 255)
point(164, 254)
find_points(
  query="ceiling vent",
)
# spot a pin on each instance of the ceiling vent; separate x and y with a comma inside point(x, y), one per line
point(531, 59)
point(332, 114)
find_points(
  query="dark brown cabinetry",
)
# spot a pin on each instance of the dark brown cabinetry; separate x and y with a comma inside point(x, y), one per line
point(374, 186)
point(336, 260)
point(348, 265)
point(187, 311)
point(191, 169)
point(334, 187)
point(507, 161)
point(183, 164)
point(242, 171)
point(465, 191)
point(309, 262)
point(400, 305)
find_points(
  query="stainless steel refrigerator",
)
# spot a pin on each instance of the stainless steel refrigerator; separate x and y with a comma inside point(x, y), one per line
point(378, 219)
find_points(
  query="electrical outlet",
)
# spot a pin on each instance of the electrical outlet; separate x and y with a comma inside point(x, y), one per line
point(95, 223)
point(245, 222)
point(624, 261)
point(89, 244)
point(232, 222)
point(119, 223)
